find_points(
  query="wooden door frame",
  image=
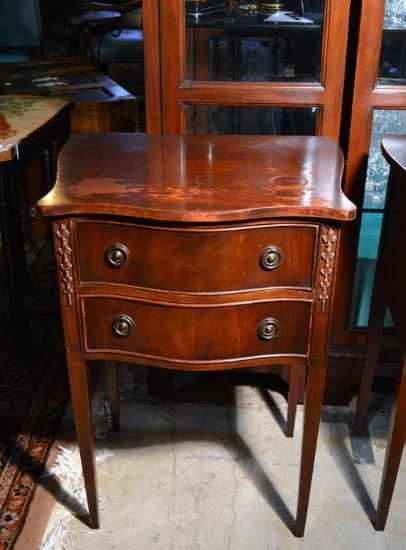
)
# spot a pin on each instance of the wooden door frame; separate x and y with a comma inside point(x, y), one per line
point(366, 96)
point(152, 66)
point(176, 92)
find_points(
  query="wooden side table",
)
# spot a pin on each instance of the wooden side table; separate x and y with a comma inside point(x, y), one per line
point(198, 253)
point(389, 290)
point(29, 127)
point(101, 105)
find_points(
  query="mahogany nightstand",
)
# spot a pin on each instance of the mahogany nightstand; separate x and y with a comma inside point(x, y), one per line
point(198, 253)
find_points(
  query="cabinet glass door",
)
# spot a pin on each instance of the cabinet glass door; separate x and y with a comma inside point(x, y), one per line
point(391, 73)
point(265, 67)
point(260, 120)
point(254, 41)
point(241, 41)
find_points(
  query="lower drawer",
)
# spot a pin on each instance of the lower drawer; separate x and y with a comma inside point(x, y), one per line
point(195, 332)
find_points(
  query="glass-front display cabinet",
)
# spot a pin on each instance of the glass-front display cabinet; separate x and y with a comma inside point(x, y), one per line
point(273, 42)
point(391, 73)
point(315, 67)
point(378, 108)
point(232, 66)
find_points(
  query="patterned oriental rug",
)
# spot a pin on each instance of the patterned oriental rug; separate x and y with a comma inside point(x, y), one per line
point(33, 393)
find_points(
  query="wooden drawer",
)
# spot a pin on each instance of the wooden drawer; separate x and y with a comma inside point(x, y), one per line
point(195, 332)
point(197, 260)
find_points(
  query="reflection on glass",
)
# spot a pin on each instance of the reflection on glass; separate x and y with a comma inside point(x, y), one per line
point(392, 64)
point(255, 120)
point(384, 122)
point(395, 14)
point(365, 269)
point(254, 41)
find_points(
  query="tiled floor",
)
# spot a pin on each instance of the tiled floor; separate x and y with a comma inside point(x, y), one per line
point(215, 475)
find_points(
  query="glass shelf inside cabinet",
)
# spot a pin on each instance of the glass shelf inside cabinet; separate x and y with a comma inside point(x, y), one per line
point(254, 41)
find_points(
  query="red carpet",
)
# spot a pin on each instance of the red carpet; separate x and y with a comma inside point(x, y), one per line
point(33, 391)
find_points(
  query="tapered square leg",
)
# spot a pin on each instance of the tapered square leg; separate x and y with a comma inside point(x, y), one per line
point(374, 337)
point(297, 377)
point(316, 377)
point(394, 450)
point(79, 378)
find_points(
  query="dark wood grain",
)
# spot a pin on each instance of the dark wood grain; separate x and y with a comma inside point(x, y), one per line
point(159, 246)
point(200, 178)
point(205, 259)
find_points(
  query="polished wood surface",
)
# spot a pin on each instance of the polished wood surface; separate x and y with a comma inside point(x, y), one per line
point(182, 178)
point(224, 247)
point(389, 291)
point(197, 253)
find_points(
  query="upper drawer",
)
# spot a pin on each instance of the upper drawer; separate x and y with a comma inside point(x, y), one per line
point(196, 260)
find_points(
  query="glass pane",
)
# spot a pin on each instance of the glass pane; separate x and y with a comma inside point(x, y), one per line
point(202, 119)
point(259, 42)
point(365, 270)
point(392, 64)
point(384, 122)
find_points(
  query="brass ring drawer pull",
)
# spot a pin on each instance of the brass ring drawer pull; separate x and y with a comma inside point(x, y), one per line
point(122, 326)
point(268, 329)
point(117, 255)
point(270, 258)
